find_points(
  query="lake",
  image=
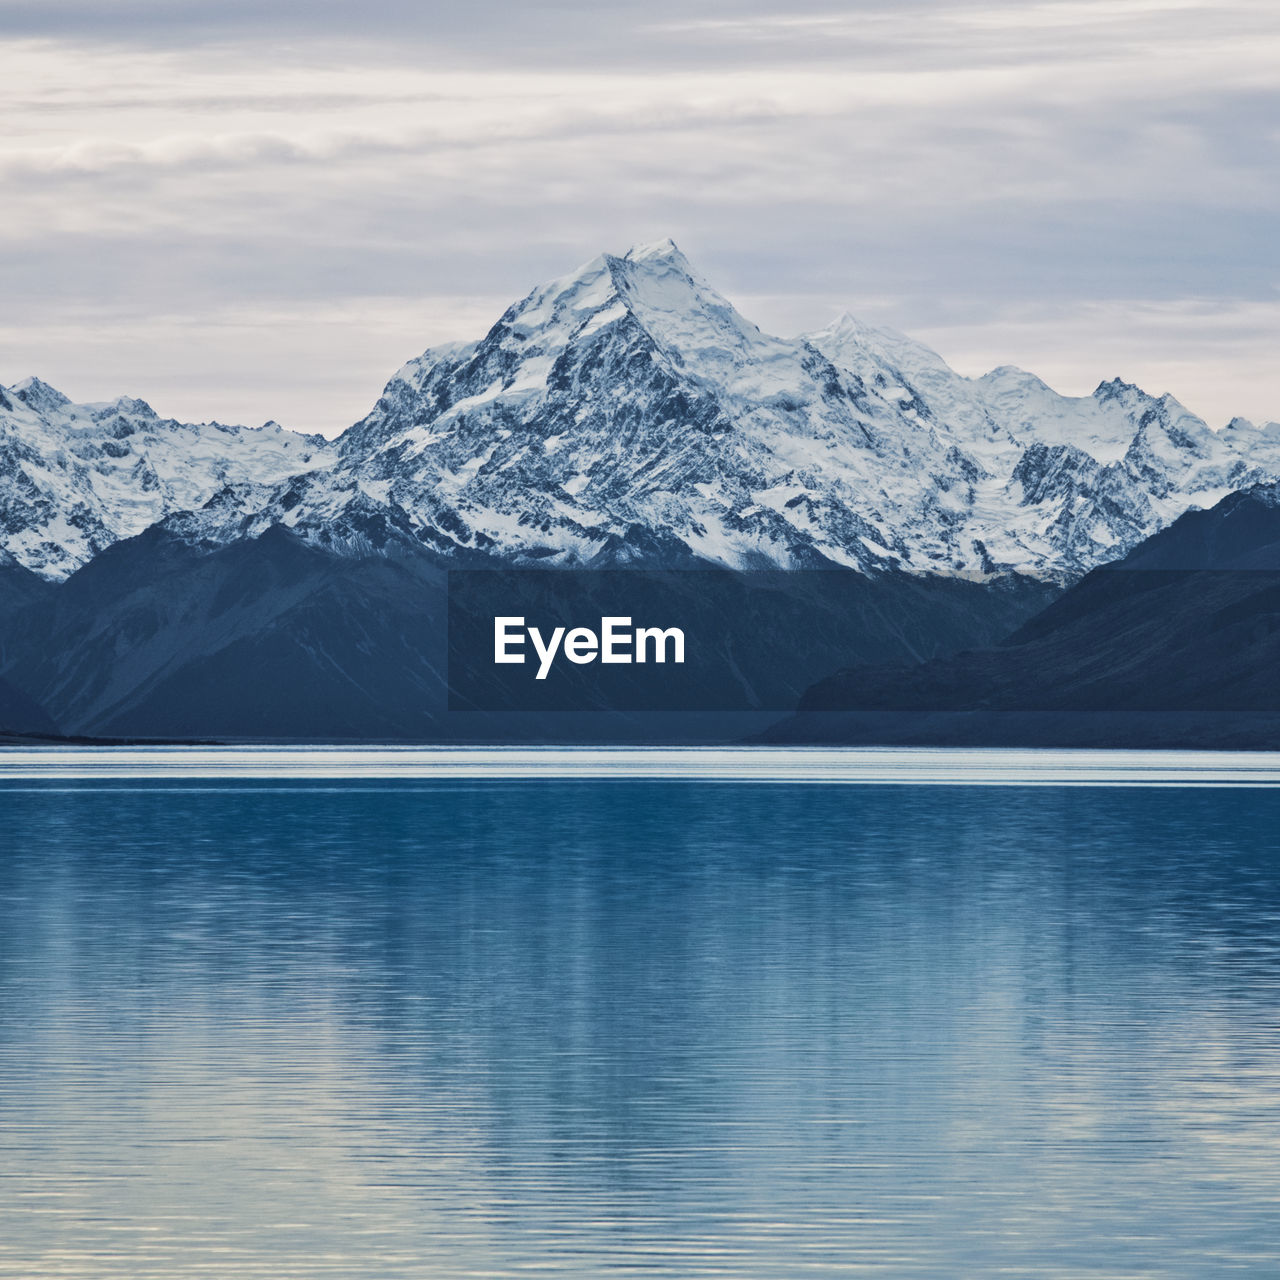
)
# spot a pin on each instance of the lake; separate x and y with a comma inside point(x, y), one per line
point(741, 1013)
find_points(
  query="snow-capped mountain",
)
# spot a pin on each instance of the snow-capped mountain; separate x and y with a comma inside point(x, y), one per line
point(627, 413)
point(74, 478)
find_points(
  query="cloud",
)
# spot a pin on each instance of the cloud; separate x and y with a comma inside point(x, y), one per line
point(944, 164)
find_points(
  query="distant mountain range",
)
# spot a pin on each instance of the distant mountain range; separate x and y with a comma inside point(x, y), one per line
point(627, 411)
point(166, 578)
point(76, 478)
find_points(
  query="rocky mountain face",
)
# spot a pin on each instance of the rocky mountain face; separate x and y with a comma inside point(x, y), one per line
point(626, 414)
point(76, 478)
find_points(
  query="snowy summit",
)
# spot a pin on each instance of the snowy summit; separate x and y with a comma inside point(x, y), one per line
point(628, 413)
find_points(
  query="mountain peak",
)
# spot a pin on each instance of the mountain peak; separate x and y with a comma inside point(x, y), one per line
point(1013, 378)
point(879, 351)
point(122, 406)
point(656, 286)
point(847, 322)
point(846, 327)
point(1118, 389)
point(39, 395)
point(664, 250)
point(600, 284)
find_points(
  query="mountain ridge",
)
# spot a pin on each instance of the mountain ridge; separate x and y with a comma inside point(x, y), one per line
point(626, 412)
point(74, 479)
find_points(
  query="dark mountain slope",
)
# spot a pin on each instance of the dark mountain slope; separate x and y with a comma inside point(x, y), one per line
point(19, 589)
point(275, 638)
point(20, 714)
point(265, 638)
point(1177, 644)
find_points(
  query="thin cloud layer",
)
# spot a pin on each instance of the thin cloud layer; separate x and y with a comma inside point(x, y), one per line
point(974, 173)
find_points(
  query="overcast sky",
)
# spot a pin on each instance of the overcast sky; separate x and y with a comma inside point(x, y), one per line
point(260, 210)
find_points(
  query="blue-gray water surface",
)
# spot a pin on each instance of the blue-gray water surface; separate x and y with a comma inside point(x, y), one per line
point(637, 1027)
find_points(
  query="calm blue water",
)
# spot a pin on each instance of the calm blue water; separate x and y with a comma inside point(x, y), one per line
point(449, 1027)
